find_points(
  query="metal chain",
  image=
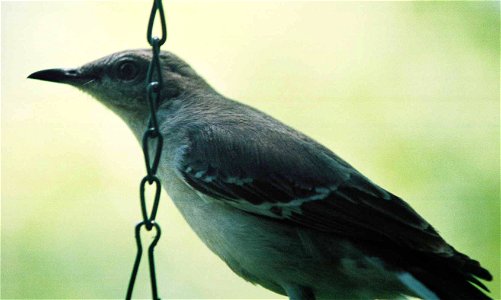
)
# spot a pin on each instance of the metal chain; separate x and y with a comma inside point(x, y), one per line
point(152, 134)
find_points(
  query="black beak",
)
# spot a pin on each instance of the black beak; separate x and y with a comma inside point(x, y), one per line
point(71, 76)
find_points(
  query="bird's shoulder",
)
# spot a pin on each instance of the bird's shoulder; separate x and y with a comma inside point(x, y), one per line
point(239, 141)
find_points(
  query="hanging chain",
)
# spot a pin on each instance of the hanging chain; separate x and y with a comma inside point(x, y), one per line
point(151, 135)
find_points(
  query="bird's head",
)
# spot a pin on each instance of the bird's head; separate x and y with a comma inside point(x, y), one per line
point(119, 80)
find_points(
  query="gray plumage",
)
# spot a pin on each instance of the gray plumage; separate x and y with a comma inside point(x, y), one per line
point(280, 209)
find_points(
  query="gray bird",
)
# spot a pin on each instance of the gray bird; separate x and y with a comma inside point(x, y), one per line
point(280, 209)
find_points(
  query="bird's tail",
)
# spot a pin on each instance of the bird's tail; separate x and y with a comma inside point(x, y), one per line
point(456, 277)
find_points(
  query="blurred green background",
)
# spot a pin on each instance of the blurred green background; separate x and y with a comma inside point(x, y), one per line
point(408, 92)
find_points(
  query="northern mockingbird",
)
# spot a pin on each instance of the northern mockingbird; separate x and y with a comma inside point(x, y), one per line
point(280, 209)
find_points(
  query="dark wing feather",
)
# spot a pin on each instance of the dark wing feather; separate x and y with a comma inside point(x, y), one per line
point(283, 174)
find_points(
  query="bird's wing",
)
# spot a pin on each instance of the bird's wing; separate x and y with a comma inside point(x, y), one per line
point(280, 173)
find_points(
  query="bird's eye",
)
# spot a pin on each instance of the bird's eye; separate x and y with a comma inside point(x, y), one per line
point(127, 70)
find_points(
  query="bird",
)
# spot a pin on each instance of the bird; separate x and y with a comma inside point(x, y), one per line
point(280, 209)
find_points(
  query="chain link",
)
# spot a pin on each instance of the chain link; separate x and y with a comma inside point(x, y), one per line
point(152, 135)
point(157, 6)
